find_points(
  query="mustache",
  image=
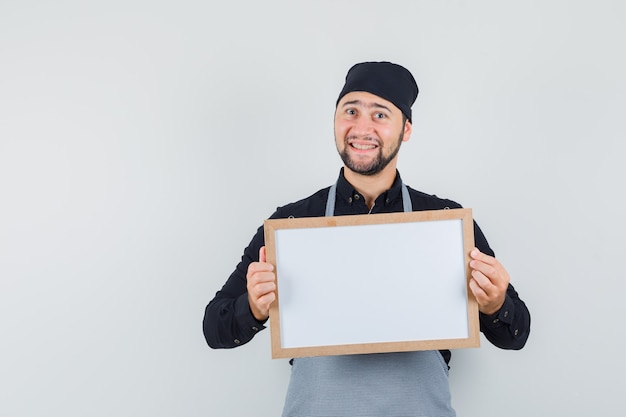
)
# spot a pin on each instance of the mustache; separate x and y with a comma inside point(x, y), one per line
point(372, 139)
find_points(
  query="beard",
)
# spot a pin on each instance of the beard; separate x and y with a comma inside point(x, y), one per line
point(374, 166)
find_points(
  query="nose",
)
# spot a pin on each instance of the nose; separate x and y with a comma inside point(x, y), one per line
point(362, 126)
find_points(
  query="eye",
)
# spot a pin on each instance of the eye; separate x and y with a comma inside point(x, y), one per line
point(379, 115)
point(351, 112)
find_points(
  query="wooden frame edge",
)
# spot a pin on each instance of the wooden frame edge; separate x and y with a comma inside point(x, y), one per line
point(463, 214)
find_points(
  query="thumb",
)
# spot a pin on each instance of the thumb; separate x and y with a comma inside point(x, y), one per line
point(262, 257)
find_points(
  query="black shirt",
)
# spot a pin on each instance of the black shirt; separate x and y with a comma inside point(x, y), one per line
point(228, 321)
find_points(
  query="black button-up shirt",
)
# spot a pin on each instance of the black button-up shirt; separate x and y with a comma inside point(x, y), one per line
point(228, 321)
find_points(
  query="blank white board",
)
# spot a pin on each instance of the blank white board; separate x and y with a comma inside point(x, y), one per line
point(375, 283)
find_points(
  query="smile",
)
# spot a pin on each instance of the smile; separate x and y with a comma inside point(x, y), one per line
point(361, 144)
point(363, 147)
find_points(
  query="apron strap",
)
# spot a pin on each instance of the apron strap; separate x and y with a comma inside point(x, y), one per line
point(406, 199)
point(330, 202)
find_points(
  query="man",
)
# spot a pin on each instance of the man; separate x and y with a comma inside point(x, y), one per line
point(372, 119)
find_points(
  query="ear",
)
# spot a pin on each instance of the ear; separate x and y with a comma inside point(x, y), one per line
point(408, 129)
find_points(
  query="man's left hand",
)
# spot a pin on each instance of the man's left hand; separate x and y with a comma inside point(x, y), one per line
point(489, 282)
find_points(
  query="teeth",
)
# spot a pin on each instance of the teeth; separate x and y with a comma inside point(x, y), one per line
point(363, 147)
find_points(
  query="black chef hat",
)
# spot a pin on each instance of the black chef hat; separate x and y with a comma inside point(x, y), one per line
point(384, 79)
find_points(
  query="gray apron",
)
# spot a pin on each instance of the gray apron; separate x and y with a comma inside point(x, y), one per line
point(401, 384)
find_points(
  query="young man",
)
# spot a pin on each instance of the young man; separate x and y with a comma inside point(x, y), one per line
point(372, 119)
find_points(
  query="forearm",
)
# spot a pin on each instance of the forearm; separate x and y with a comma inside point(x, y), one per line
point(510, 326)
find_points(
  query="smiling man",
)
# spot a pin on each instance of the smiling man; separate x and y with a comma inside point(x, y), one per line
point(372, 120)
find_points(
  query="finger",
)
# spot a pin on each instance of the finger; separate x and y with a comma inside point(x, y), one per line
point(262, 257)
point(483, 282)
point(482, 257)
point(263, 288)
point(269, 298)
point(478, 292)
point(256, 267)
point(260, 278)
point(486, 269)
point(266, 300)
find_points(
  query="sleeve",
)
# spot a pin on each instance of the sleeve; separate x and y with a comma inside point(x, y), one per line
point(228, 321)
point(510, 326)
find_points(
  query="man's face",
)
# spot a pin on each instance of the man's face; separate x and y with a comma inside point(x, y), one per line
point(368, 132)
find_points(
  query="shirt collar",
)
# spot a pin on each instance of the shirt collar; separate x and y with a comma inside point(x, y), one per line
point(346, 191)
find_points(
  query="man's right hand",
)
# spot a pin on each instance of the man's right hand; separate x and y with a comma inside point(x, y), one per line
point(261, 286)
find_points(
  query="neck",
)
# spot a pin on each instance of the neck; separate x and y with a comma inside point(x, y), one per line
point(371, 186)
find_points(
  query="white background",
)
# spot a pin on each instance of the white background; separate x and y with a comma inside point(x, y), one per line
point(143, 142)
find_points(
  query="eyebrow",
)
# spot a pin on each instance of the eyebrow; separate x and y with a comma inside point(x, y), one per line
point(360, 103)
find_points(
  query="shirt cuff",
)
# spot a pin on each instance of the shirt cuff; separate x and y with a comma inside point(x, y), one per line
point(248, 324)
point(504, 316)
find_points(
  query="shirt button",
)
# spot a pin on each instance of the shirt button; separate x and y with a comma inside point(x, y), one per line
point(516, 332)
point(350, 200)
point(506, 314)
point(237, 341)
point(496, 320)
point(256, 329)
point(356, 197)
